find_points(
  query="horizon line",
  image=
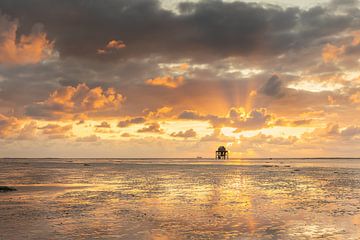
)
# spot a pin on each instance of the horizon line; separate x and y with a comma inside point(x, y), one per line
point(198, 158)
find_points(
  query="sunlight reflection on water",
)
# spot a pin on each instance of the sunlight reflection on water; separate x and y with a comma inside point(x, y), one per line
point(180, 199)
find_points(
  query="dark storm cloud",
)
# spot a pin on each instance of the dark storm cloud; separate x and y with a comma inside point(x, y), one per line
point(203, 29)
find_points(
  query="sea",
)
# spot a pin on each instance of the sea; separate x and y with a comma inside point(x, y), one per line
point(164, 199)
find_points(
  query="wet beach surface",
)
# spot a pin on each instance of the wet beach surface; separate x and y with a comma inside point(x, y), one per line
point(180, 199)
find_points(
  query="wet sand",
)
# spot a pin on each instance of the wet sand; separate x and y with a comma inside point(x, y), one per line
point(180, 199)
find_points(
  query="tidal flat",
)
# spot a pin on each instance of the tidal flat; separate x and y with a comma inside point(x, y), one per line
point(180, 199)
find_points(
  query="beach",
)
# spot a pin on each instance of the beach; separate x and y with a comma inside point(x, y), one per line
point(180, 199)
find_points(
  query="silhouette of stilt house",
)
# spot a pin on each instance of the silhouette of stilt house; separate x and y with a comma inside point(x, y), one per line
point(222, 153)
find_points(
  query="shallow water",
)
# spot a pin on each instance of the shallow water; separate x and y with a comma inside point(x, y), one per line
point(180, 199)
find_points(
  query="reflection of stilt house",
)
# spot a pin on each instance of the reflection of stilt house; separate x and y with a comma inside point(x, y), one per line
point(222, 153)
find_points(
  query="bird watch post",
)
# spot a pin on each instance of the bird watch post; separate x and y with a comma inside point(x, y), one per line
point(222, 153)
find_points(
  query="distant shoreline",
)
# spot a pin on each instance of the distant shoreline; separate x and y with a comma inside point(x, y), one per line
point(178, 158)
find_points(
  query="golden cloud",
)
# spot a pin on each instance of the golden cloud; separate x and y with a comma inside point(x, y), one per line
point(80, 100)
point(166, 81)
point(27, 49)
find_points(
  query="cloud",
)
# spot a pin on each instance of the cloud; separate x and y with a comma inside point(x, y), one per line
point(255, 119)
point(237, 118)
point(103, 125)
point(331, 130)
point(158, 113)
point(28, 131)
point(245, 29)
point(355, 98)
point(131, 121)
point(331, 53)
point(12, 128)
point(190, 133)
point(217, 136)
point(88, 139)
point(273, 87)
point(264, 145)
point(216, 121)
point(151, 128)
point(56, 131)
point(166, 81)
point(356, 38)
point(67, 101)
point(125, 135)
point(112, 45)
point(332, 133)
point(350, 131)
point(191, 115)
point(25, 49)
point(9, 126)
point(224, 71)
point(292, 123)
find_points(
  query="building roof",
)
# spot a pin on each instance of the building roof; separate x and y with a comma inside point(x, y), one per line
point(222, 149)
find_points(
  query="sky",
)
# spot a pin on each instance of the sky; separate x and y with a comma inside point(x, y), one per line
point(148, 78)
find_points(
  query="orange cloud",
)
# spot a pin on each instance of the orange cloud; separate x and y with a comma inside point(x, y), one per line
point(331, 52)
point(66, 101)
point(112, 45)
point(27, 49)
point(166, 81)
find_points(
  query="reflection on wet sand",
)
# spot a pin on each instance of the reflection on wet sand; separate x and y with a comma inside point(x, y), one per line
point(179, 199)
